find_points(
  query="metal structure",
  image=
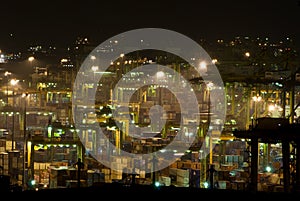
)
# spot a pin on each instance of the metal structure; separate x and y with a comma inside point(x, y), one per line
point(274, 130)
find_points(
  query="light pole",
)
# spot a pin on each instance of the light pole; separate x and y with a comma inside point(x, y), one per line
point(209, 87)
point(122, 70)
point(31, 59)
point(94, 69)
point(13, 82)
point(24, 95)
point(6, 74)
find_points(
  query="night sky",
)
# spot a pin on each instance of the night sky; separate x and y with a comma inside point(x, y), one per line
point(59, 22)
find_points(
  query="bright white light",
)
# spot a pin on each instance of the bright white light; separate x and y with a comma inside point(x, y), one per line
point(14, 82)
point(160, 74)
point(95, 68)
point(162, 150)
point(7, 73)
point(210, 85)
point(214, 61)
point(62, 60)
point(157, 184)
point(203, 65)
point(33, 182)
point(256, 98)
point(30, 59)
point(271, 108)
point(268, 169)
point(206, 184)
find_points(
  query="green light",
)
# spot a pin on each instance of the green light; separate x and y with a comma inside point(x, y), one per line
point(32, 182)
point(268, 169)
point(49, 131)
point(157, 184)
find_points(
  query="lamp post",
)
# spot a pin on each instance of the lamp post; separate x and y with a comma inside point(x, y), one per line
point(13, 82)
point(94, 69)
point(209, 87)
point(31, 59)
point(262, 159)
point(121, 64)
point(6, 74)
point(24, 95)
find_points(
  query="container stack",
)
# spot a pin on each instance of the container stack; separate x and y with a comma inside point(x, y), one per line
point(180, 177)
point(106, 172)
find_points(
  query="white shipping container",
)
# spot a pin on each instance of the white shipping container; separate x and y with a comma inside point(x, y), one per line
point(165, 180)
point(182, 173)
point(173, 171)
point(184, 180)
